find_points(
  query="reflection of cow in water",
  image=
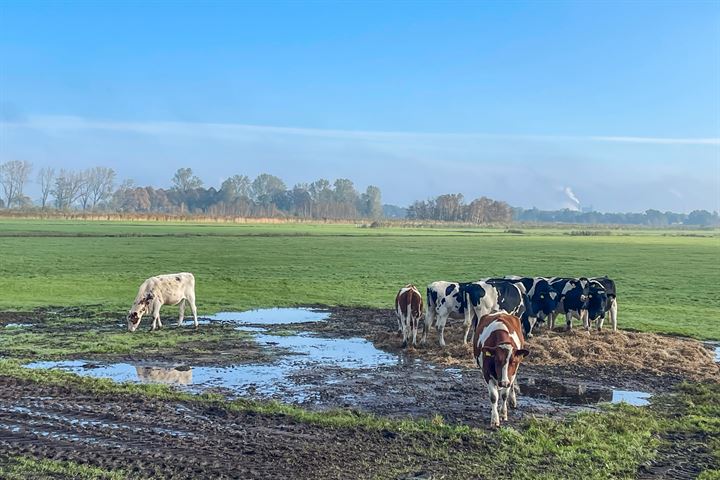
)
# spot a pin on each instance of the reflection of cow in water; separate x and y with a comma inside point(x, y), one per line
point(164, 375)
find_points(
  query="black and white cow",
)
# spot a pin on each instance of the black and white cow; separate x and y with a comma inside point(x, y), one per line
point(459, 301)
point(543, 300)
point(513, 299)
point(611, 307)
point(574, 295)
point(597, 304)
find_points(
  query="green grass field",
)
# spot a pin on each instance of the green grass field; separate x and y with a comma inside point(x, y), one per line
point(666, 280)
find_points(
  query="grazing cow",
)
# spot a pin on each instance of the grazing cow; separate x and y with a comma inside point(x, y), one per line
point(611, 308)
point(574, 295)
point(498, 348)
point(409, 309)
point(160, 290)
point(459, 301)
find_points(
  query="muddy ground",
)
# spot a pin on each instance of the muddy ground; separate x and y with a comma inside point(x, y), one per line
point(566, 373)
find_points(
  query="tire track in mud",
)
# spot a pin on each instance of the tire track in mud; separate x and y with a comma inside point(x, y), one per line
point(164, 439)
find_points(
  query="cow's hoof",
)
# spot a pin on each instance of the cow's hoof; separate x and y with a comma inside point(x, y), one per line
point(404, 344)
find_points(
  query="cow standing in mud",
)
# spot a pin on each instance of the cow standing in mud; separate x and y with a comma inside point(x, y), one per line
point(498, 348)
point(459, 301)
point(409, 310)
point(170, 289)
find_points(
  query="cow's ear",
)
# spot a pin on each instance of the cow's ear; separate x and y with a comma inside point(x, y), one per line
point(522, 353)
point(488, 351)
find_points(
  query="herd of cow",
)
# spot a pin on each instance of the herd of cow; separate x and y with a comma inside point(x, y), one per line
point(503, 312)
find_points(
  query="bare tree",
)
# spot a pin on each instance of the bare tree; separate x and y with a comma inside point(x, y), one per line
point(45, 179)
point(67, 188)
point(13, 177)
point(96, 186)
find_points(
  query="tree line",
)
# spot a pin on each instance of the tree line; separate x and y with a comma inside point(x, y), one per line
point(651, 217)
point(94, 189)
point(452, 208)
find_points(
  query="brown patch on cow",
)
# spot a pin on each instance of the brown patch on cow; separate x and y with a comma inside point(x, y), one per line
point(410, 297)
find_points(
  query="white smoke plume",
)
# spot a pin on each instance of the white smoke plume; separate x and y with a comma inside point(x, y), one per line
point(576, 203)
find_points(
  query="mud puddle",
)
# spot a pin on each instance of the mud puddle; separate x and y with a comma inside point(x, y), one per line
point(272, 316)
point(323, 365)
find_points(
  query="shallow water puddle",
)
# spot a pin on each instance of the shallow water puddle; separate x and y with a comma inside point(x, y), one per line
point(272, 316)
point(715, 347)
point(307, 352)
point(579, 394)
point(17, 325)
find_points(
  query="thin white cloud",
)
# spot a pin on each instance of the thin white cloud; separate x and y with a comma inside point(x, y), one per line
point(58, 123)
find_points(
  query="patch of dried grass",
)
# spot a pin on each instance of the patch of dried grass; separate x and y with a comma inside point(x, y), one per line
point(647, 352)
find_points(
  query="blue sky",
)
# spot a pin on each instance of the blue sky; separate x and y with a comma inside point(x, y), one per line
point(619, 102)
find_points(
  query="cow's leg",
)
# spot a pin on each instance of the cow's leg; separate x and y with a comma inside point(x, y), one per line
point(406, 328)
point(441, 321)
point(468, 322)
point(504, 393)
point(429, 317)
point(156, 316)
point(191, 299)
point(613, 314)
point(568, 320)
point(493, 391)
point(513, 394)
point(182, 312)
point(585, 317)
point(415, 321)
point(551, 322)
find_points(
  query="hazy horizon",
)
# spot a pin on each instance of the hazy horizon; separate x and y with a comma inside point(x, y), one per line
point(614, 106)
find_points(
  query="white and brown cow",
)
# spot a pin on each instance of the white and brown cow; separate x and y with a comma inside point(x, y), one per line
point(498, 348)
point(160, 290)
point(409, 310)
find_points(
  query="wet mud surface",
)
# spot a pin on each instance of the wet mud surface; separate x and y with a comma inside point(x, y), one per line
point(346, 358)
point(161, 439)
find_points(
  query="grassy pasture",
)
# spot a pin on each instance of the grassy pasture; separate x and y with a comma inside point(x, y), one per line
point(666, 282)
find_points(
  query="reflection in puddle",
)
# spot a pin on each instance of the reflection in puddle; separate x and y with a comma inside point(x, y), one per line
point(180, 376)
point(579, 394)
point(272, 316)
point(17, 325)
point(306, 352)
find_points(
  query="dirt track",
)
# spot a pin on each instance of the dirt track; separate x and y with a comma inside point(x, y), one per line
point(185, 440)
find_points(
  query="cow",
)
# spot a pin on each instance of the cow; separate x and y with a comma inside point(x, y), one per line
point(170, 289)
point(513, 299)
point(611, 292)
point(498, 348)
point(409, 310)
point(459, 301)
point(597, 304)
point(574, 295)
point(544, 301)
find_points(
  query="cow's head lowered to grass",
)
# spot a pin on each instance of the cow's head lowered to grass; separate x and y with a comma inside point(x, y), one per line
point(139, 308)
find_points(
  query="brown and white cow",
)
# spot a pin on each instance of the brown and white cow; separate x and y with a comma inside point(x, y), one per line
point(160, 290)
point(498, 348)
point(409, 310)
